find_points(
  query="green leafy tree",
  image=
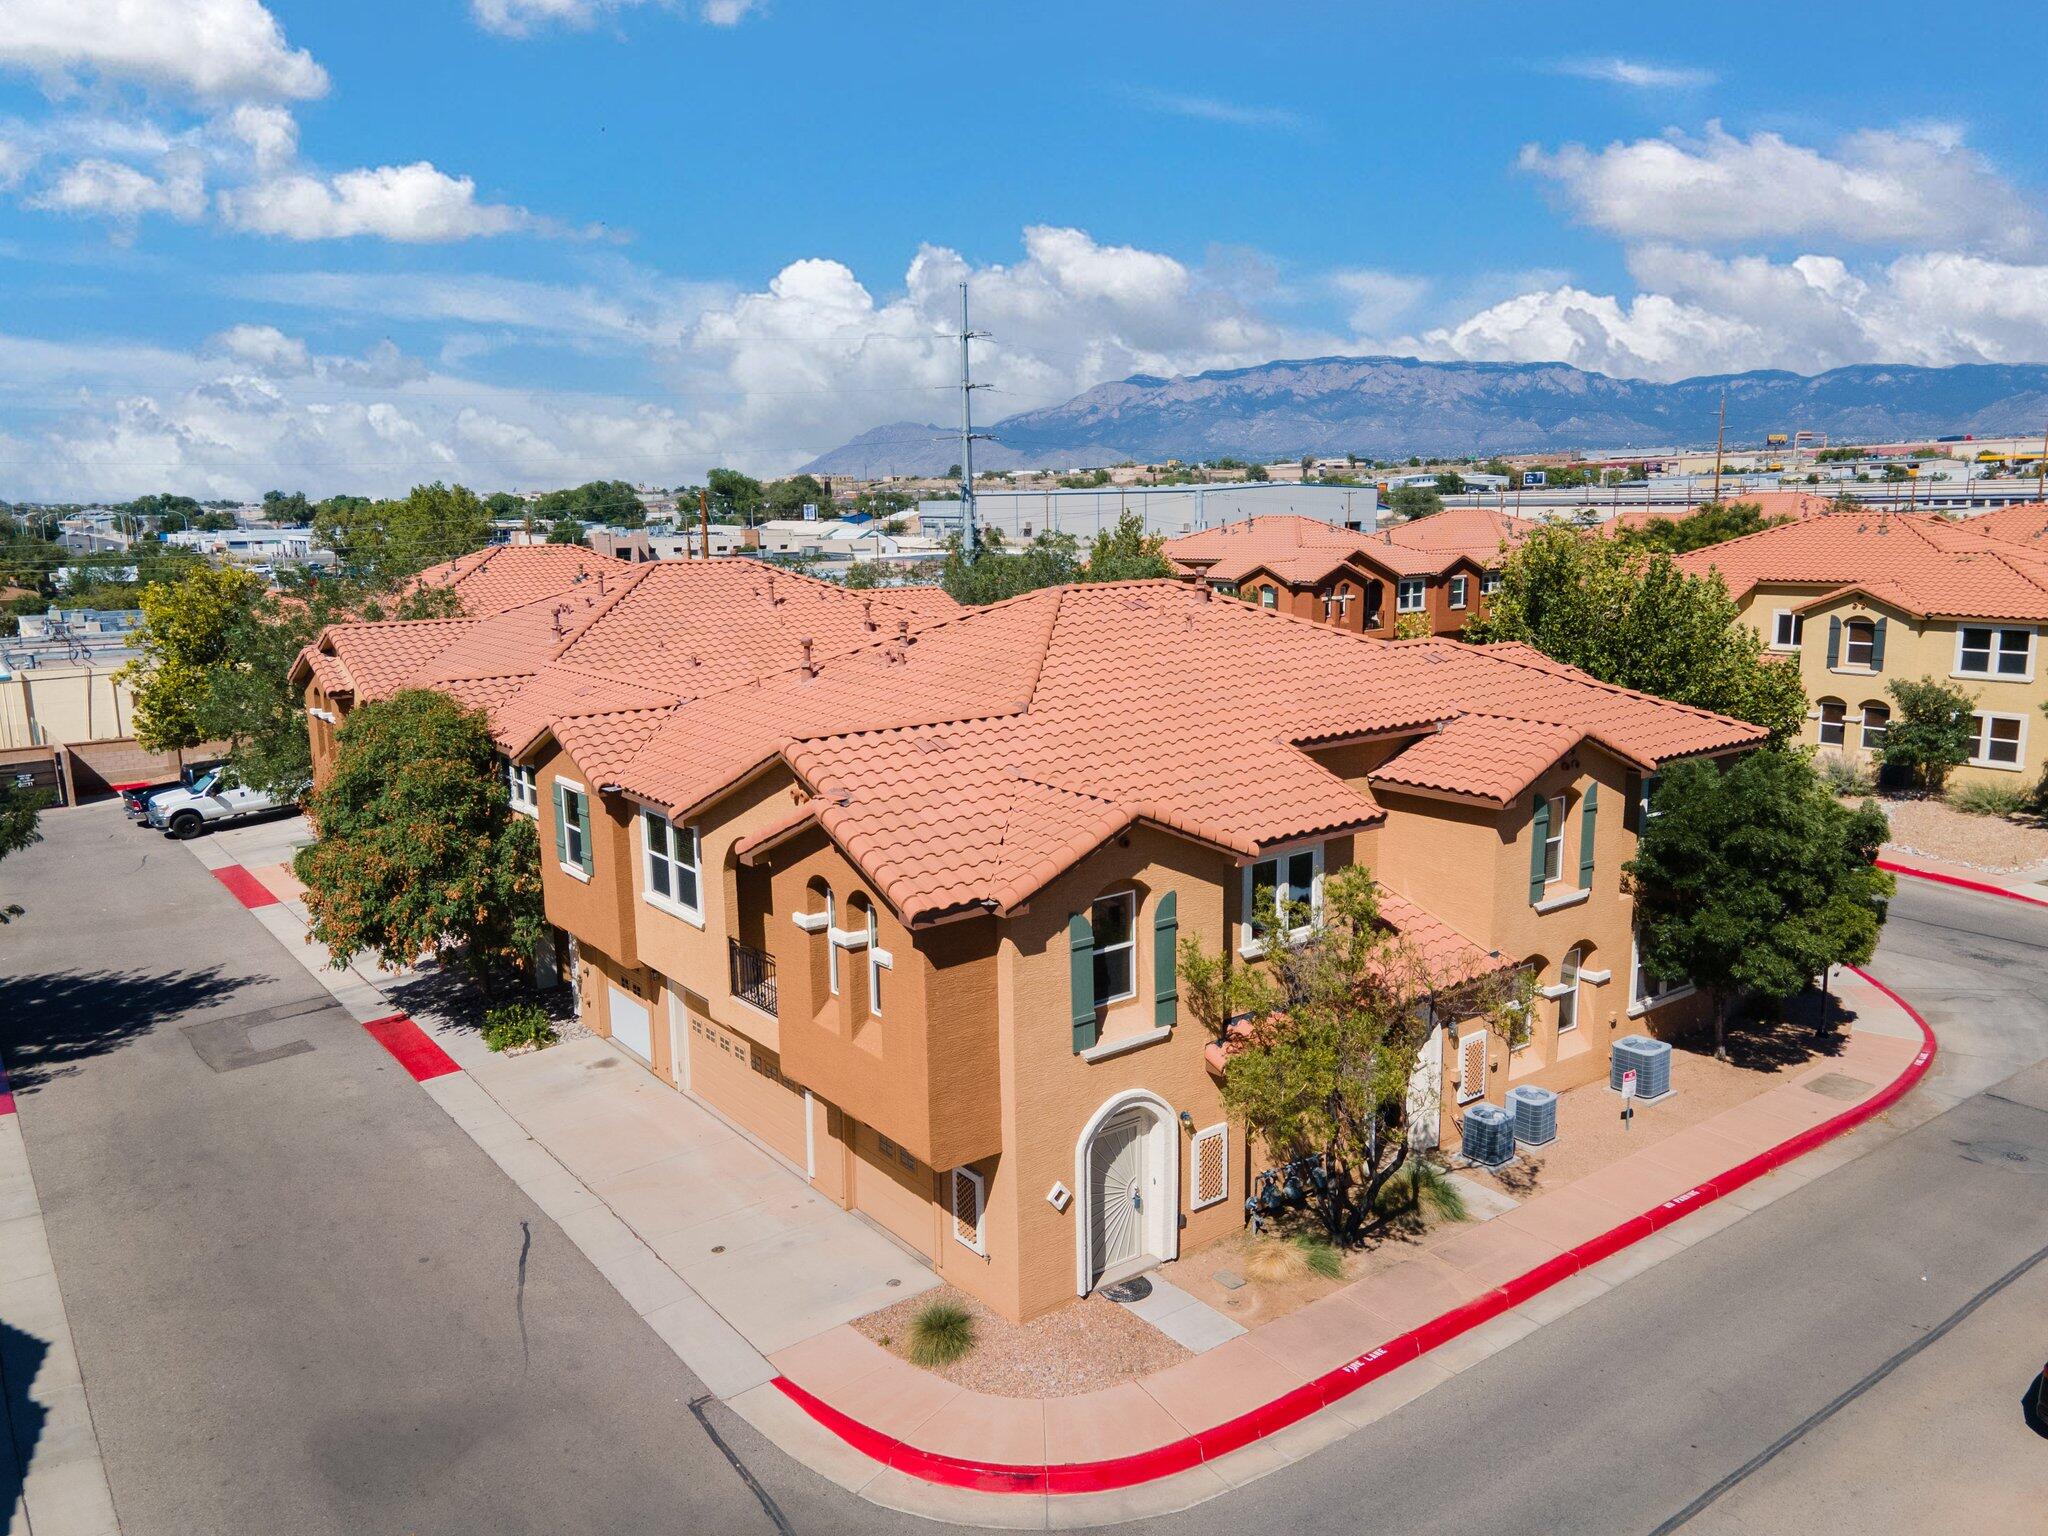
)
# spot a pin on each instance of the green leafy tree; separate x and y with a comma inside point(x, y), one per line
point(882, 504)
point(788, 498)
point(502, 505)
point(613, 503)
point(20, 810)
point(288, 509)
point(997, 571)
point(1714, 523)
point(1931, 732)
point(1638, 621)
point(568, 531)
point(1755, 879)
point(735, 498)
point(189, 630)
point(1323, 1039)
point(1126, 552)
point(419, 848)
point(1450, 483)
point(1408, 502)
point(1257, 472)
point(380, 543)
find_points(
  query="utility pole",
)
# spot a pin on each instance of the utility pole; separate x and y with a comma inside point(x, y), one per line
point(1720, 439)
point(969, 533)
point(704, 518)
point(2041, 480)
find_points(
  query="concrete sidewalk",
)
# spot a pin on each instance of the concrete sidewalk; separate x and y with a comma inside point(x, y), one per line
point(747, 1274)
point(2030, 884)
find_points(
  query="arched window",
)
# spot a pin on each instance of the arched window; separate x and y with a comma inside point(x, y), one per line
point(1877, 719)
point(860, 919)
point(1859, 642)
point(1568, 999)
point(1269, 597)
point(1833, 714)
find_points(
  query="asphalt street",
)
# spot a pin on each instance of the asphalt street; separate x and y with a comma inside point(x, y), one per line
point(304, 1301)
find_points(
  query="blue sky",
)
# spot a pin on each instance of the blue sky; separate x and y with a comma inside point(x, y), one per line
point(247, 243)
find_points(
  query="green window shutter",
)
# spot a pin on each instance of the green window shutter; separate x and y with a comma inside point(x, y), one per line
point(1877, 645)
point(561, 825)
point(1834, 640)
point(1586, 815)
point(1539, 834)
point(583, 821)
point(1081, 960)
point(1165, 961)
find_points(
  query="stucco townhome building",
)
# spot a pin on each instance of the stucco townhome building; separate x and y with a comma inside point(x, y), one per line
point(896, 887)
point(1857, 600)
point(1441, 568)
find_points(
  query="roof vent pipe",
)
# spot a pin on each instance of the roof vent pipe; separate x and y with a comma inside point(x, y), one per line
point(810, 666)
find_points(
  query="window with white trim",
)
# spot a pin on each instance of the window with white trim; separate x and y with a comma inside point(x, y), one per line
point(1877, 719)
point(1209, 1162)
point(1859, 643)
point(1568, 1000)
point(831, 949)
point(1997, 741)
point(1788, 629)
point(1459, 586)
point(1553, 843)
point(1489, 583)
point(875, 963)
point(572, 801)
point(1115, 922)
point(1269, 597)
point(1294, 881)
point(674, 875)
point(521, 789)
point(970, 1198)
point(1834, 715)
point(1645, 990)
point(1410, 594)
point(1983, 651)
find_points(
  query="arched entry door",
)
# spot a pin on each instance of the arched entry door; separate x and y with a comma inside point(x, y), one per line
point(1128, 1172)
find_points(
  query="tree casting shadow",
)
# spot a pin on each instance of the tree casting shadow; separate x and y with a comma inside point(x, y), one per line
point(55, 1020)
point(21, 1357)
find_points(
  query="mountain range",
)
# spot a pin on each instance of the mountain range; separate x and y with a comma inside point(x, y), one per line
point(1392, 407)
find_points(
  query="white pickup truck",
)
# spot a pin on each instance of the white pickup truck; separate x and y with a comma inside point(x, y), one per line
point(208, 801)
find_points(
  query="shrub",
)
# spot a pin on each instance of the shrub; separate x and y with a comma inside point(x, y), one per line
point(1320, 1256)
point(941, 1333)
point(1987, 799)
point(1845, 775)
point(517, 1024)
point(1423, 1182)
point(1274, 1260)
point(1930, 731)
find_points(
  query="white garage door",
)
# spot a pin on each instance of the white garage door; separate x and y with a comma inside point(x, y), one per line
point(630, 1025)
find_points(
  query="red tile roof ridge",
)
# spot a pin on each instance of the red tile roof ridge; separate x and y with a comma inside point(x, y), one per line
point(1529, 657)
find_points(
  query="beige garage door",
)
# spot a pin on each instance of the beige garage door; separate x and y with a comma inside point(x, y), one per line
point(892, 1187)
point(744, 1082)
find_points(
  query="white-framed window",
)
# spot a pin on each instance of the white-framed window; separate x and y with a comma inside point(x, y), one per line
point(1646, 794)
point(1568, 999)
point(877, 962)
point(970, 1199)
point(1459, 586)
point(1787, 629)
point(1489, 583)
point(1985, 651)
point(1295, 882)
point(1269, 597)
point(1115, 921)
point(1646, 991)
point(1877, 719)
point(673, 867)
point(1859, 643)
point(1998, 741)
point(1410, 594)
point(831, 949)
point(572, 828)
point(1375, 597)
point(521, 789)
point(1209, 1159)
point(1834, 715)
point(1553, 843)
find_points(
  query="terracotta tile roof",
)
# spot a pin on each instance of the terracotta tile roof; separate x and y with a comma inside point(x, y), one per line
point(974, 764)
point(1476, 531)
point(2026, 523)
point(1490, 757)
point(932, 602)
point(1449, 955)
point(327, 671)
point(508, 575)
point(1302, 551)
point(602, 744)
point(1924, 565)
point(381, 657)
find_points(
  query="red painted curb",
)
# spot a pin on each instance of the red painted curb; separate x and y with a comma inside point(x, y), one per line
point(412, 1046)
point(1332, 1386)
point(6, 1094)
point(247, 889)
point(1985, 887)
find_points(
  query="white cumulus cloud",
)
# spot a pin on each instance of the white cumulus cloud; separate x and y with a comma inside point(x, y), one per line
point(1896, 187)
point(1637, 74)
point(523, 18)
point(113, 190)
point(213, 49)
point(410, 203)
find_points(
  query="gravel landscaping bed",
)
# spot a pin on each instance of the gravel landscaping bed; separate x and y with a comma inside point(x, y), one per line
point(1079, 1348)
point(1990, 843)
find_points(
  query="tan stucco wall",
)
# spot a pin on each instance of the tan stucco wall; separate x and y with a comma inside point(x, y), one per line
point(49, 706)
point(1914, 648)
point(598, 910)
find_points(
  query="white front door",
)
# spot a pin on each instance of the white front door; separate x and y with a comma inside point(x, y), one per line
point(1118, 1200)
point(630, 1025)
